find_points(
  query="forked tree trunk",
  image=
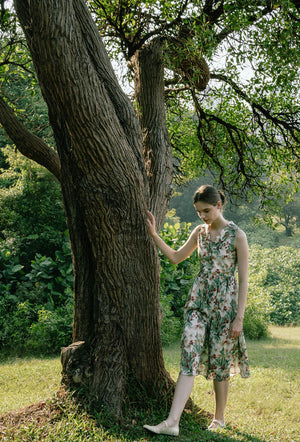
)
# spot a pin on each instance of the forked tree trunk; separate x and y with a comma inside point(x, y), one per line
point(106, 195)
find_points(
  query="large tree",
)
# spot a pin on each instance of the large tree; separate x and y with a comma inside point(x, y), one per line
point(114, 160)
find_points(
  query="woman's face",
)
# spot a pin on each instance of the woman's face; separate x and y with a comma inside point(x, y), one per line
point(207, 212)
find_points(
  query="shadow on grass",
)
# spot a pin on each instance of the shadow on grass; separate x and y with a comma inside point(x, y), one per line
point(62, 420)
point(187, 434)
point(190, 431)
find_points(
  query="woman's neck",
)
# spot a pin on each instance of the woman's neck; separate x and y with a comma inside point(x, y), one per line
point(218, 224)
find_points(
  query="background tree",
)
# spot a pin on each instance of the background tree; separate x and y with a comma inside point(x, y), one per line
point(112, 166)
point(291, 215)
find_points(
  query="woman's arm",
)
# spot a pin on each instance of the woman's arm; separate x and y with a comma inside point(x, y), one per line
point(241, 246)
point(175, 256)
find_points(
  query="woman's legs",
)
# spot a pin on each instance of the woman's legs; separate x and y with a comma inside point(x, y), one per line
point(183, 390)
point(221, 389)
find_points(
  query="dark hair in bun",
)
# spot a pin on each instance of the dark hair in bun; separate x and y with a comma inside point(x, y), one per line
point(210, 195)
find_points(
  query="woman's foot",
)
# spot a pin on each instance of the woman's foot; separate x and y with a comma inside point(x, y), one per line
point(163, 428)
point(216, 424)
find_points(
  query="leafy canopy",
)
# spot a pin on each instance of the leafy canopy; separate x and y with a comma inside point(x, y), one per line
point(244, 126)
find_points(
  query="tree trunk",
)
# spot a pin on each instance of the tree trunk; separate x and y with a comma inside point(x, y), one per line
point(149, 93)
point(106, 195)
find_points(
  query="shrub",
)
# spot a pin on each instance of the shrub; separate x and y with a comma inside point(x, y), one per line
point(171, 326)
point(258, 307)
point(14, 324)
point(36, 308)
point(175, 282)
point(32, 218)
point(257, 313)
point(50, 279)
point(281, 280)
point(51, 331)
point(11, 272)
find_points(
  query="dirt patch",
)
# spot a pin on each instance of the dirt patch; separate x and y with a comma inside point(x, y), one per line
point(38, 414)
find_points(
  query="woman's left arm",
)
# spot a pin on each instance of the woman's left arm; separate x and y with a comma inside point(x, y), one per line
point(241, 245)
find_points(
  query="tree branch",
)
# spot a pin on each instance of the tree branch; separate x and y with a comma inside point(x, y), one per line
point(171, 91)
point(27, 143)
point(292, 128)
point(20, 65)
point(136, 41)
point(252, 19)
point(244, 176)
point(213, 14)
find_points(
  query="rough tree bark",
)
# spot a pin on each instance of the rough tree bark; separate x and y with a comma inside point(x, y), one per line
point(148, 67)
point(106, 193)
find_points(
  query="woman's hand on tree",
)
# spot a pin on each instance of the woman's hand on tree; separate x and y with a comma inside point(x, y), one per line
point(151, 223)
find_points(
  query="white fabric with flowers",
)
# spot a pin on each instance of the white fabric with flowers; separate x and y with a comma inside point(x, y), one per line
point(207, 347)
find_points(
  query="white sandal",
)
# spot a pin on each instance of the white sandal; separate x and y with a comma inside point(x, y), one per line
point(215, 425)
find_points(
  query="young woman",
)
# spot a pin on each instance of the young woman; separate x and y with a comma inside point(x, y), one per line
point(212, 342)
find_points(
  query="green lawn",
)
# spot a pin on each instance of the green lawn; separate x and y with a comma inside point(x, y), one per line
point(27, 380)
point(265, 407)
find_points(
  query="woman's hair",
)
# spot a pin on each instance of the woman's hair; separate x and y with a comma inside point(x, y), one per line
point(210, 195)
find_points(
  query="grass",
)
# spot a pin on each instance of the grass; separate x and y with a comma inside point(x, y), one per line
point(265, 407)
point(27, 380)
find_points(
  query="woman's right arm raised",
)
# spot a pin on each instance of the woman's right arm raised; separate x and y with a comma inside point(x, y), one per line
point(175, 256)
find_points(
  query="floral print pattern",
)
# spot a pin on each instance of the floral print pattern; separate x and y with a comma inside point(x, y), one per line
point(207, 347)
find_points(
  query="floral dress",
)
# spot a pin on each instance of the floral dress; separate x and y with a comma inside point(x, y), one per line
point(207, 347)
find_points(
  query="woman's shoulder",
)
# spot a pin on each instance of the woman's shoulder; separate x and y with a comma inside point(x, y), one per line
point(234, 227)
point(240, 238)
point(240, 234)
point(236, 230)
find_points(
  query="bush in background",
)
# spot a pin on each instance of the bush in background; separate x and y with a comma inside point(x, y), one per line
point(276, 272)
point(36, 308)
point(32, 218)
point(175, 281)
point(51, 331)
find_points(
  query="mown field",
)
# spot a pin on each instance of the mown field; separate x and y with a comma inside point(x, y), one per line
point(265, 407)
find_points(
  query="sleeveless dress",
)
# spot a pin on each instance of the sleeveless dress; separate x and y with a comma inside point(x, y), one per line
point(206, 345)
